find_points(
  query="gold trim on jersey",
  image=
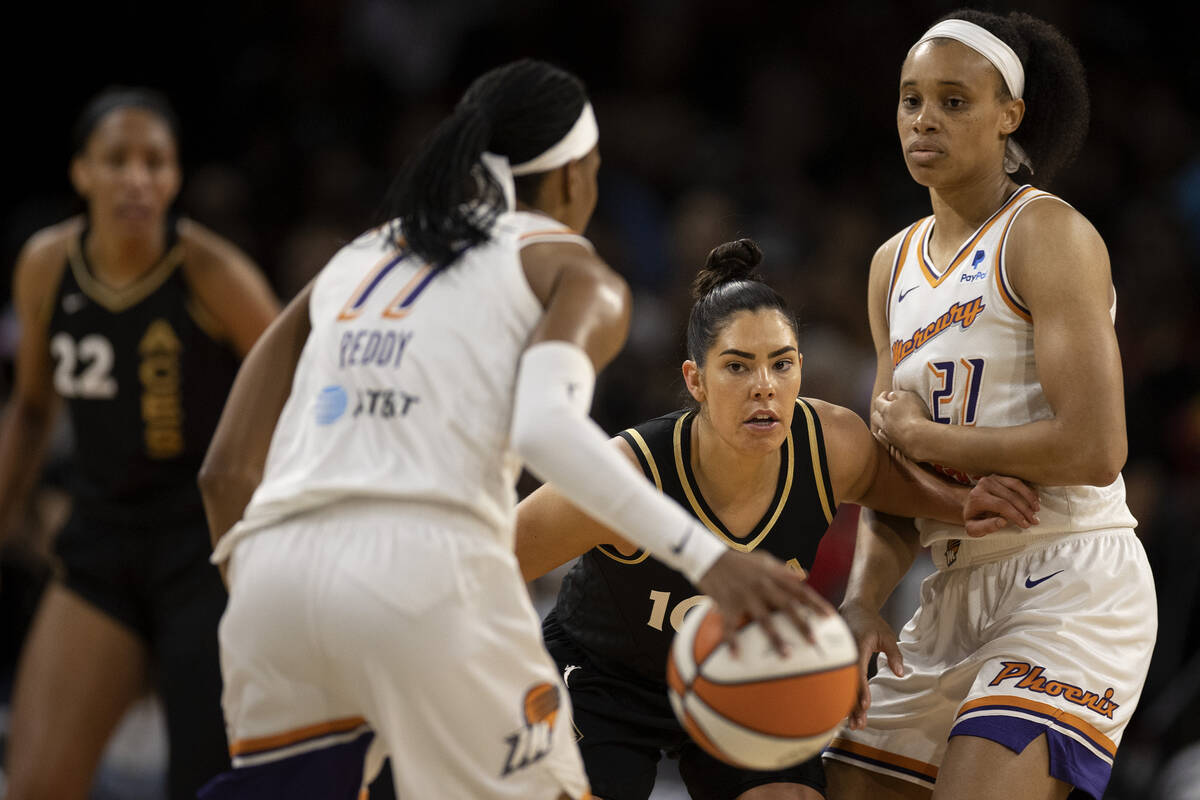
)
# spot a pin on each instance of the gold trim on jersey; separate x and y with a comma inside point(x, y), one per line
point(645, 448)
point(45, 310)
point(644, 554)
point(685, 482)
point(814, 451)
point(204, 319)
point(114, 299)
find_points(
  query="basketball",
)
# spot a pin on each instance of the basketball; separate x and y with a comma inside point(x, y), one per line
point(760, 709)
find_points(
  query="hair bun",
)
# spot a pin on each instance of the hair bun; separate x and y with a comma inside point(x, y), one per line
point(732, 261)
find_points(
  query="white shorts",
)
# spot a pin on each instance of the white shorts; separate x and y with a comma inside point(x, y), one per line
point(413, 625)
point(1054, 638)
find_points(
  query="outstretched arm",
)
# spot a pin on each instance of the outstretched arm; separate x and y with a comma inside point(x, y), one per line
point(551, 530)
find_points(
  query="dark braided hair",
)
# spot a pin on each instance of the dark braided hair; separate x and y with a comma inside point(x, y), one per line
point(117, 97)
point(729, 283)
point(443, 201)
point(1057, 105)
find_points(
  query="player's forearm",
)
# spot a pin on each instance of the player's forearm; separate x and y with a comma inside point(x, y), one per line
point(24, 434)
point(904, 489)
point(883, 552)
point(1048, 452)
point(237, 455)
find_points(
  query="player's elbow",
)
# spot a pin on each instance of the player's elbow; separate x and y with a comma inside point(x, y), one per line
point(1099, 462)
point(1107, 462)
point(219, 475)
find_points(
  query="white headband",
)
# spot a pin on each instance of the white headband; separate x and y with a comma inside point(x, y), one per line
point(1001, 56)
point(576, 144)
point(985, 43)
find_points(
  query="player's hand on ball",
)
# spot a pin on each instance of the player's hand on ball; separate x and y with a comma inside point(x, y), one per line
point(749, 586)
point(873, 635)
point(998, 501)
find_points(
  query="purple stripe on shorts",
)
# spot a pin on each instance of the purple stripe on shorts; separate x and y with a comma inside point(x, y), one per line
point(1070, 761)
point(332, 773)
point(1006, 708)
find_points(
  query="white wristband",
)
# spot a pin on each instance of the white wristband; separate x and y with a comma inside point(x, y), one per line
point(552, 432)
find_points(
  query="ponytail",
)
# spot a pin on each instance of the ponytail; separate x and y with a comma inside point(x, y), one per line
point(444, 201)
point(1057, 105)
point(728, 283)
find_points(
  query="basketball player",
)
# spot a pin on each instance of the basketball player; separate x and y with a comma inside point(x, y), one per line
point(136, 319)
point(373, 586)
point(759, 467)
point(993, 320)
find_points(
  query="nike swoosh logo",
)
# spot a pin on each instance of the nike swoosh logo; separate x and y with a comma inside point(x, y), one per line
point(678, 548)
point(904, 294)
point(567, 674)
point(1030, 582)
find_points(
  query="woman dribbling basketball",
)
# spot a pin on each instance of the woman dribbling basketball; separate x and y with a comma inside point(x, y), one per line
point(761, 468)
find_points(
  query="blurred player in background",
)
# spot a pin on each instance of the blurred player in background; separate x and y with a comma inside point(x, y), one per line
point(994, 316)
point(137, 319)
point(759, 467)
point(367, 460)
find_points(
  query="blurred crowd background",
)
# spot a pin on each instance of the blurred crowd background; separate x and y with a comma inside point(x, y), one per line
point(718, 120)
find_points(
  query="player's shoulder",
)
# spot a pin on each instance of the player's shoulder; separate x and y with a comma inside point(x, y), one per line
point(205, 249)
point(548, 262)
point(539, 237)
point(656, 432)
point(832, 417)
point(1048, 230)
point(50, 243)
point(886, 253)
point(1047, 217)
point(43, 257)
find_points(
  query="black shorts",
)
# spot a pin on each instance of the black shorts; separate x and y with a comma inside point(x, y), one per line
point(157, 581)
point(624, 726)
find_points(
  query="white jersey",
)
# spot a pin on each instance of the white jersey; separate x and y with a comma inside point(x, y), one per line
point(962, 339)
point(404, 389)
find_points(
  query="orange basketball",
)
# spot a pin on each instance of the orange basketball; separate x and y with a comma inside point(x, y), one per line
point(761, 710)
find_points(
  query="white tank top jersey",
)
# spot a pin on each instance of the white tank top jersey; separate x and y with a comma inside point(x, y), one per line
point(404, 389)
point(962, 339)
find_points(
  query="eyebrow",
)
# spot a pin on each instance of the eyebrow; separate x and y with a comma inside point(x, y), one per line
point(744, 354)
point(911, 82)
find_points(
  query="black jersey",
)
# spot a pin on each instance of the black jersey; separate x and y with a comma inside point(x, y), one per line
point(623, 610)
point(144, 382)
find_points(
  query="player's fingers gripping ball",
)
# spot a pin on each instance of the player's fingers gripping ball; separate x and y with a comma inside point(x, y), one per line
point(760, 709)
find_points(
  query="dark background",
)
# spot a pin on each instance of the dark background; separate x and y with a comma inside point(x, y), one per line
point(718, 120)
